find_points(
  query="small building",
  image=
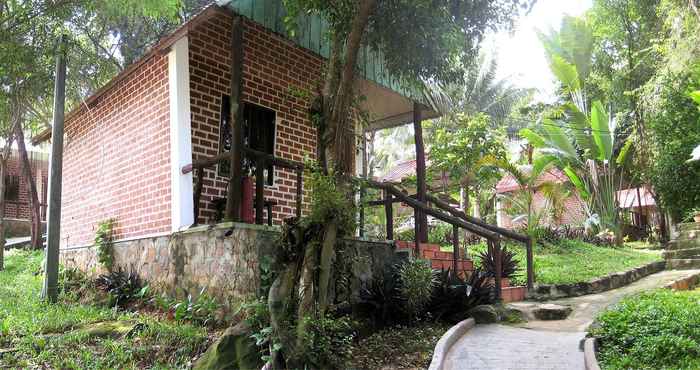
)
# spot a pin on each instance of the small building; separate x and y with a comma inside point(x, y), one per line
point(130, 148)
point(17, 205)
point(573, 212)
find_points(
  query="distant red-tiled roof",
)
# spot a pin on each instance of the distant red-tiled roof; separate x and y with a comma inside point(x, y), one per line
point(628, 197)
point(508, 183)
point(400, 171)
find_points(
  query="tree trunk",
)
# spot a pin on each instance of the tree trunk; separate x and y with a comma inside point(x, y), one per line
point(34, 206)
point(477, 203)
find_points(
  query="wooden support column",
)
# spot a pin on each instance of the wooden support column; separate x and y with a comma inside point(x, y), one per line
point(198, 193)
point(455, 247)
point(530, 264)
point(300, 190)
point(363, 191)
point(259, 190)
point(499, 268)
point(421, 217)
point(233, 199)
point(389, 210)
point(53, 239)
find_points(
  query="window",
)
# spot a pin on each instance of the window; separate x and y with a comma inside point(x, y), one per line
point(12, 188)
point(258, 134)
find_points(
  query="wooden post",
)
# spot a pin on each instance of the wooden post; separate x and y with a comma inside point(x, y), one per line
point(50, 290)
point(198, 193)
point(421, 217)
point(362, 187)
point(300, 191)
point(233, 199)
point(389, 210)
point(259, 190)
point(499, 269)
point(530, 264)
point(455, 247)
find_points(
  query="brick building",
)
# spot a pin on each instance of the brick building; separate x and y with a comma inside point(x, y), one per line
point(574, 211)
point(17, 187)
point(126, 145)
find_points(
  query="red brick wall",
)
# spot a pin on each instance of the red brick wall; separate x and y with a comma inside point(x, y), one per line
point(19, 208)
point(117, 159)
point(273, 67)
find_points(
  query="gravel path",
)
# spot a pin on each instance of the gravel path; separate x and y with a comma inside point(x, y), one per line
point(544, 344)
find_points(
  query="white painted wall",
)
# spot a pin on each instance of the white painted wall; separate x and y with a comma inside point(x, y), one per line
point(182, 203)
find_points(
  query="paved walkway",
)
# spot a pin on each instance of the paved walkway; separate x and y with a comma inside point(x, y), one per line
point(544, 344)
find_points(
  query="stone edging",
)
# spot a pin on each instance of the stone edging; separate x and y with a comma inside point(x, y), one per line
point(612, 281)
point(589, 354)
point(447, 341)
point(686, 283)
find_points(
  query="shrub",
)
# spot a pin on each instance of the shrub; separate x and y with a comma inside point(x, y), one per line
point(453, 296)
point(327, 342)
point(417, 280)
point(509, 264)
point(122, 287)
point(655, 330)
point(103, 243)
point(380, 301)
point(200, 310)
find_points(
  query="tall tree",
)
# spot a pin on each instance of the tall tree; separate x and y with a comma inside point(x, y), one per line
point(420, 39)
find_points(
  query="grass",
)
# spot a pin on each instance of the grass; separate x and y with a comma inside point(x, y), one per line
point(399, 347)
point(572, 261)
point(35, 334)
point(655, 330)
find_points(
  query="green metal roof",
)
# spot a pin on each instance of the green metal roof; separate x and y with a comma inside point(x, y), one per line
point(311, 34)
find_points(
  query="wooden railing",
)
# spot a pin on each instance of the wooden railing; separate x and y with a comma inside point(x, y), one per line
point(457, 219)
point(261, 160)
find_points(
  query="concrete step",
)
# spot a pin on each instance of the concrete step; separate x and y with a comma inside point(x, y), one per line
point(683, 264)
point(689, 226)
point(682, 244)
point(681, 253)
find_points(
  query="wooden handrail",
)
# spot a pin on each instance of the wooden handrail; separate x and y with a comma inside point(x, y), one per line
point(432, 212)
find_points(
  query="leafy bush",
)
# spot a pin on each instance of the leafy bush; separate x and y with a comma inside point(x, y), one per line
point(509, 264)
point(656, 330)
point(201, 309)
point(103, 243)
point(453, 296)
point(380, 301)
point(257, 314)
point(327, 342)
point(674, 131)
point(121, 286)
point(555, 235)
point(417, 280)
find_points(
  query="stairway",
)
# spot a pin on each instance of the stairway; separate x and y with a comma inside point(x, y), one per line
point(683, 253)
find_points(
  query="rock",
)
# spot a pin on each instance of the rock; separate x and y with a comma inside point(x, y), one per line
point(106, 329)
point(484, 314)
point(551, 311)
point(235, 349)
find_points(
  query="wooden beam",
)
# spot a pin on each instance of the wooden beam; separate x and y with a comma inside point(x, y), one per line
point(455, 247)
point(259, 190)
point(300, 191)
point(233, 199)
point(421, 217)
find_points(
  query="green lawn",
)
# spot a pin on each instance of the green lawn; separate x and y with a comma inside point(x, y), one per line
point(34, 334)
point(655, 330)
point(574, 261)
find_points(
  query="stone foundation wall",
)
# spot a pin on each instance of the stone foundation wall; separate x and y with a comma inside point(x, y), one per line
point(226, 265)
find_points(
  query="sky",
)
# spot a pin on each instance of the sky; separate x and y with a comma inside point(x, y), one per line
point(520, 54)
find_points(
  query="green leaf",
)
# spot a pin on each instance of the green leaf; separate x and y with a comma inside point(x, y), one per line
point(565, 72)
point(601, 131)
point(558, 140)
point(695, 95)
point(624, 151)
point(532, 137)
point(581, 129)
point(580, 186)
